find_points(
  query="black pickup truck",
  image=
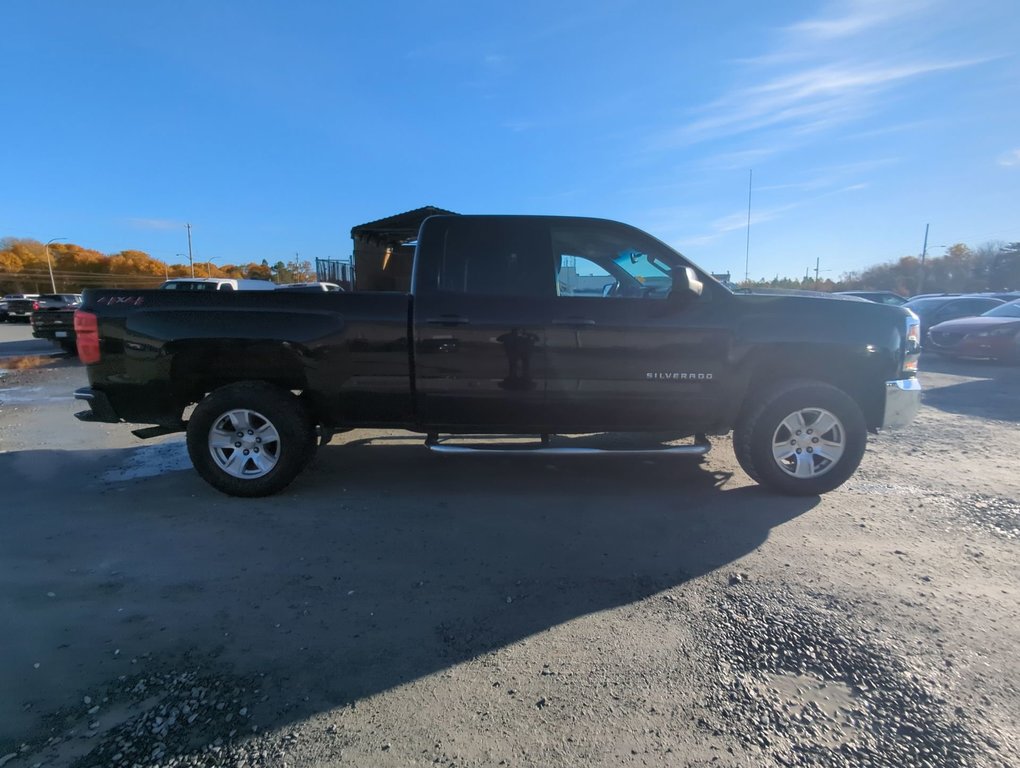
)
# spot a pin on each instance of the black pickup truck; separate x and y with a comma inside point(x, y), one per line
point(520, 325)
point(53, 318)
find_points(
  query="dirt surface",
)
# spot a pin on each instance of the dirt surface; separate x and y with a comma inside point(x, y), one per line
point(396, 608)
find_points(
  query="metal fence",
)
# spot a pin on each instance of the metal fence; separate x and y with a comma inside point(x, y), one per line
point(335, 271)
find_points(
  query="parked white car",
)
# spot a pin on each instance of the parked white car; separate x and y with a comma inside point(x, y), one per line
point(216, 284)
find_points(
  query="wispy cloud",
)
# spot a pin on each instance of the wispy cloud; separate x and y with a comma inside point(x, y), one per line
point(1010, 159)
point(840, 66)
point(723, 225)
point(161, 224)
point(741, 158)
point(808, 99)
point(854, 17)
point(738, 220)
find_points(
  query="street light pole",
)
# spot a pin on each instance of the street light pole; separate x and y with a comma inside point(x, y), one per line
point(190, 259)
point(49, 263)
point(208, 265)
point(924, 253)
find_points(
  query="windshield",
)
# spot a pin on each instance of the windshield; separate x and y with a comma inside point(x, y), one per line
point(1005, 310)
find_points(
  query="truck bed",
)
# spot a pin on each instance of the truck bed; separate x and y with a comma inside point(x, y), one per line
point(161, 350)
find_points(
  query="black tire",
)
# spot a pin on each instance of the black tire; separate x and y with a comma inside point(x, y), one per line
point(69, 347)
point(761, 427)
point(290, 446)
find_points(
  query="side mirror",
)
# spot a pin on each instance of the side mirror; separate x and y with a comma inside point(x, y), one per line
point(686, 285)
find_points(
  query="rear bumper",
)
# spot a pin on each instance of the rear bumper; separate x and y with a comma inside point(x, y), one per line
point(53, 334)
point(902, 402)
point(100, 408)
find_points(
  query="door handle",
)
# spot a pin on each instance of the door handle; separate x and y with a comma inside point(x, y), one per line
point(447, 320)
point(574, 321)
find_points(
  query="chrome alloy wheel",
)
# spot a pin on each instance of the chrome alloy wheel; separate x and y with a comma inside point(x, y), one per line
point(244, 444)
point(808, 443)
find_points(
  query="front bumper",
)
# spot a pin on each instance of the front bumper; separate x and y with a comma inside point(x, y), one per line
point(978, 347)
point(902, 402)
point(100, 408)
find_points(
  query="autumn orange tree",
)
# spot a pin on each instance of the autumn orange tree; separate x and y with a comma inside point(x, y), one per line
point(23, 268)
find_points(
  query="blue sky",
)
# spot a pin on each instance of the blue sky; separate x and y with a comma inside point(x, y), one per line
point(275, 127)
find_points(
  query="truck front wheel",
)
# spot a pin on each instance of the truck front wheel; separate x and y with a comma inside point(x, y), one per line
point(250, 439)
point(802, 438)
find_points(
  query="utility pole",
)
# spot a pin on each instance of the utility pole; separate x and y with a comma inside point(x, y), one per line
point(191, 261)
point(747, 250)
point(818, 263)
point(924, 252)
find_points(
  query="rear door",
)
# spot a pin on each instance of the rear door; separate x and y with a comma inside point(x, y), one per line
point(483, 295)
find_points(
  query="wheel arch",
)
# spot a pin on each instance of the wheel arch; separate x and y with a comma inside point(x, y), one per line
point(200, 367)
point(861, 375)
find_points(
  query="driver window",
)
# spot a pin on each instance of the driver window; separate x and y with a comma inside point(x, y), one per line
point(579, 276)
point(600, 259)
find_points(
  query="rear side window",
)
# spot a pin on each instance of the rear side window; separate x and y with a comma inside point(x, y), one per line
point(486, 256)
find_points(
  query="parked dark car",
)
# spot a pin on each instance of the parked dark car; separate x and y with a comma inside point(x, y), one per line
point(879, 297)
point(56, 301)
point(53, 318)
point(994, 335)
point(933, 310)
point(1004, 295)
point(17, 306)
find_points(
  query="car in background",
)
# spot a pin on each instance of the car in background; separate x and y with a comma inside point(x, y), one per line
point(932, 310)
point(994, 335)
point(22, 308)
point(45, 301)
point(310, 287)
point(215, 284)
point(879, 297)
point(5, 305)
point(1004, 295)
point(53, 319)
point(932, 295)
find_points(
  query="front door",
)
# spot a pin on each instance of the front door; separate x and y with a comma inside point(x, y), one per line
point(624, 351)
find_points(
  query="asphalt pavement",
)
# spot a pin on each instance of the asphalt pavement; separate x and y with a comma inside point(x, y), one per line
point(16, 341)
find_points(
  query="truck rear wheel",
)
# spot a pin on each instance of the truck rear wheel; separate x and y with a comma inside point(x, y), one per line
point(250, 439)
point(803, 438)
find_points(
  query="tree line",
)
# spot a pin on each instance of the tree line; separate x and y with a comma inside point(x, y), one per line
point(990, 267)
point(24, 268)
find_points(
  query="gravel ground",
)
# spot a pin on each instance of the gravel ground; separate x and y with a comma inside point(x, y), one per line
point(395, 608)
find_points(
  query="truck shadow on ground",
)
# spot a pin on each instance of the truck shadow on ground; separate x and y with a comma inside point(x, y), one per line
point(382, 564)
point(988, 391)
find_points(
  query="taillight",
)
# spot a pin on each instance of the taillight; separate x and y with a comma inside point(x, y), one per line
point(86, 329)
point(35, 306)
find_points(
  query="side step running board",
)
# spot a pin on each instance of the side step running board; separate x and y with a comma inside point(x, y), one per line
point(158, 431)
point(700, 448)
